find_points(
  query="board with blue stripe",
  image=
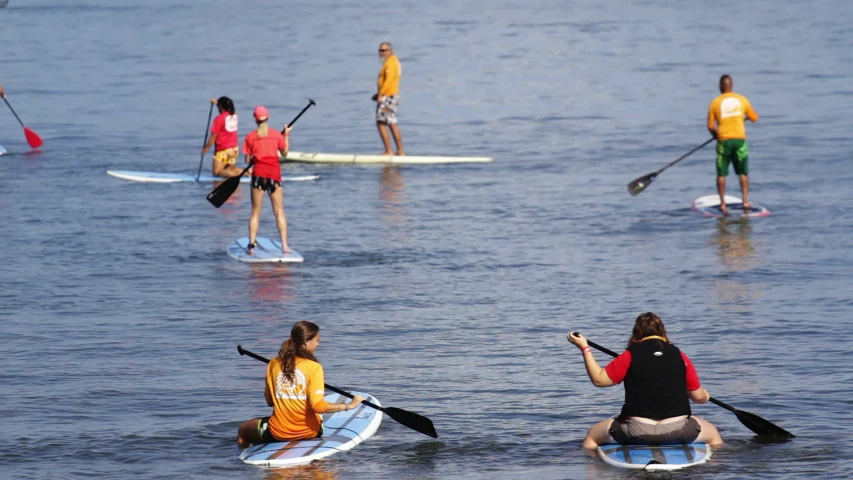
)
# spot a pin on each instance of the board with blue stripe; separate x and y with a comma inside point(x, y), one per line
point(655, 457)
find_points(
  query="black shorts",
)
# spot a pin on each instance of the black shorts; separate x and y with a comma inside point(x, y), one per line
point(267, 436)
point(631, 432)
point(266, 184)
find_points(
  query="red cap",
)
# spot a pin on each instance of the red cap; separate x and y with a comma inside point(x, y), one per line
point(261, 113)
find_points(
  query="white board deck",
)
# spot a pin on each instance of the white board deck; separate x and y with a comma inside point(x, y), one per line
point(709, 205)
point(2, 150)
point(267, 251)
point(655, 457)
point(378, 159)
point(341, 431)
point(156, 177)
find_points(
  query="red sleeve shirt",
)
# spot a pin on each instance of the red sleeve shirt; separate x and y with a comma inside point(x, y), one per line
point(225, 128)
point(265, 152)
point(618, 368)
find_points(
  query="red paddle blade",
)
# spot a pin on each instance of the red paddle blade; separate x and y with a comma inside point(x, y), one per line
point(32, 138)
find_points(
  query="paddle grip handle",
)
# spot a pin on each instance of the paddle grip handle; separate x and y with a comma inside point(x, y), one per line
point(337, 390)
point(310, 103)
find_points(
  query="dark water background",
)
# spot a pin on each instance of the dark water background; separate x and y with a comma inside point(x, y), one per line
point(446, 290)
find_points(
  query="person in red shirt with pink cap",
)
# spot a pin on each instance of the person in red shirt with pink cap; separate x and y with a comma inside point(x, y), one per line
point(263, 147)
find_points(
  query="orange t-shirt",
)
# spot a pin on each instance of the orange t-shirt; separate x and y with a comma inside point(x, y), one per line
point(726, 114)
point(389, 77)
point(296, 406)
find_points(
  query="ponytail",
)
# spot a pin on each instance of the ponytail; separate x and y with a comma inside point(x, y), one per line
point(263, 129)
point(300, 334)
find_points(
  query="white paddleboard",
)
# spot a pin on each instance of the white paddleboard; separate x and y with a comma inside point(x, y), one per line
point(377, 159)
point(155, 177)
point(341, 431)
point(709, 206)
point(267, 251)
point(655, 457)
point(2, 150)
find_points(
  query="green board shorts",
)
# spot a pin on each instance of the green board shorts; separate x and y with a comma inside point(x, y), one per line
point(732, 151)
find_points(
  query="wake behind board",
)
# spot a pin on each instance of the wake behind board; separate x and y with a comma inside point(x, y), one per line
point(341, 431)
point(156, 177)
point(267, 251)
point(377, 159)
point(655, 457)
point(709, 206)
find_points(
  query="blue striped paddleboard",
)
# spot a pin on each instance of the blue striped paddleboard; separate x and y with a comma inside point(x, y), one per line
point(267, 251)
point(709, 205)
point(655, 457)
point(341, 432)
point(156, 177)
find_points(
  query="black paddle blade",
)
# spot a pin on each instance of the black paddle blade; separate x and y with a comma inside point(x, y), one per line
point(761, 426)
point(641, 183)
point(412, 420)
point(222, 193)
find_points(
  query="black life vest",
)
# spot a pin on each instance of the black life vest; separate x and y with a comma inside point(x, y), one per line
point(656, 383)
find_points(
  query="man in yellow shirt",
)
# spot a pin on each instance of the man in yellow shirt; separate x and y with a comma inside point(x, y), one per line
point(726, 124)
point(387, 98)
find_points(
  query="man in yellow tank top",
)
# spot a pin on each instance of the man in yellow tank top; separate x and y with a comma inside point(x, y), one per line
point(387, 99)
point(726, 124)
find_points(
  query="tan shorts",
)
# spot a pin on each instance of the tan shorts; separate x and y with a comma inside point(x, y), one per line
point(227, 156)
point(634, 432)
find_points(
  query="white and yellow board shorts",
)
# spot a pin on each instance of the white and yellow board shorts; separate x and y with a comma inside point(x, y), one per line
point(227, 156)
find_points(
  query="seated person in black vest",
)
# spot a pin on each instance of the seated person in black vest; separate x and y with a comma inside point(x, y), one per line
point(659, 382)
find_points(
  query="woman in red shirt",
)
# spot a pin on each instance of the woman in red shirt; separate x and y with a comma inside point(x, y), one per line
point(263, 147)
point(659, 382)
point(223, 133)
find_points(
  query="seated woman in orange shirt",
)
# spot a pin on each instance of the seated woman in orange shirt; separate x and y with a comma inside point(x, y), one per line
point(295, 389)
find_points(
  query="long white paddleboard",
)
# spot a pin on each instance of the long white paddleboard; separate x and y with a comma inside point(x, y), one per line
point(380, 159)
point(655, 457)
point(156, 177)
point(2, 150)
point(709, 206)
point(267, 251)
point(341, 431)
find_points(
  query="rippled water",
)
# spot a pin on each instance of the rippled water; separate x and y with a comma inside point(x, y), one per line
point(445, 290)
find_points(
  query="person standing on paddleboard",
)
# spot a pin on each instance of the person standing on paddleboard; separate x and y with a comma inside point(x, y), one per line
point(387, 99)
point(295, 390)
point(223, 133)
point(263, 147)
point(659, 381)
point(726, 124)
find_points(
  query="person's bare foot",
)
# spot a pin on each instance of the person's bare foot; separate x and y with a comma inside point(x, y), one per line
point(387, 153)
point(401, 153)
point(724, 209)
point(746, 206)
point(286, 250)
point(250, 248)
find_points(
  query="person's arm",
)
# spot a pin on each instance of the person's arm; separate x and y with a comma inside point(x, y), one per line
point(750, 113)
point(317, 392)
point(712, 122)
point(209, 144)
point(392, 77)
point(597, 375)
point(694, 388)
point(284, 145)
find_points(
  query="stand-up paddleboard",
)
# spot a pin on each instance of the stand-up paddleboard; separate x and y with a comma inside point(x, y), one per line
point(341, 431)
point(2, 150)
point(267, 251)
point(377, 159)
point(155, 177)
point(709, 206)
point(655, 457)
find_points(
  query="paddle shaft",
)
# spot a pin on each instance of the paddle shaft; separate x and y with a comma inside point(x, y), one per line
point(334, 389)
point(13, 112)
point(310, 103)
point(206, 133)
point(691, 152)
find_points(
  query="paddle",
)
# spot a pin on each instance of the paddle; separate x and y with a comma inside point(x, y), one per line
point(206, 133)
point(223, 191)
point(32, 137)
point(641, 183)
point(751, 421)
point(405, 418)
